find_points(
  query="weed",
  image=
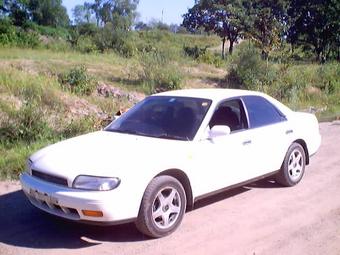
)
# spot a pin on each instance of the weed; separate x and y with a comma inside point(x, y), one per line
point(78, 81)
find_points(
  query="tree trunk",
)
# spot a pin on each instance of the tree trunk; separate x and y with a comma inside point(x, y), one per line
point(223, 44)
point(231, 47)
point(264, 55)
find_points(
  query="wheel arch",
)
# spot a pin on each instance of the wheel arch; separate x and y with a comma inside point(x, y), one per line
point(184, 180)
point(304, 146)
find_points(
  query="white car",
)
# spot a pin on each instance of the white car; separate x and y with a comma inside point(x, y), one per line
point(171, 149)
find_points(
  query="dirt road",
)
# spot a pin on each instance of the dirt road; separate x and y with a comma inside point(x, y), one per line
point(262, 218)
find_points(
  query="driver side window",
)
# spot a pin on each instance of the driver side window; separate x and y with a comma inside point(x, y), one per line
point(230, 113)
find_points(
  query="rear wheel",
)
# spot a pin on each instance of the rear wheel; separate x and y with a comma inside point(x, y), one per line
point(162, 208)
point(293, 166)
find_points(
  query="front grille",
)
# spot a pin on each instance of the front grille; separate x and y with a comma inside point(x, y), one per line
point(54, 208)
point(50, 178)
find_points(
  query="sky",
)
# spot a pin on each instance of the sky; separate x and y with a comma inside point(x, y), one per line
point(150, 9)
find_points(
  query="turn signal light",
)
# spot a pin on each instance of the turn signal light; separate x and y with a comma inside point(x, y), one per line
point(92, 213)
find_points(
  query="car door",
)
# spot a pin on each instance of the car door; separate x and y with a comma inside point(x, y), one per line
point(269, 133)
point(222, 161)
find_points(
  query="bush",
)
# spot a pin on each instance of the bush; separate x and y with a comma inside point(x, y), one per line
point(158, 73)
point(8, 34)
point(28, 39)
point(111, 38)
point(249, 71)
point(195, 52)
point(13, 36)
point(54, 32)
point(211, 59)
point(78, 81)
point(86, 45)
point(25, 125)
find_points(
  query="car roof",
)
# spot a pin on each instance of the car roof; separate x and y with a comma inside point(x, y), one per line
point(217, 95)
point(213, 94)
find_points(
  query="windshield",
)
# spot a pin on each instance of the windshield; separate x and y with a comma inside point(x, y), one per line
point(164, 117)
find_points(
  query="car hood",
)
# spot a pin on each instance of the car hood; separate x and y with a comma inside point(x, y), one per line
point(106, 154)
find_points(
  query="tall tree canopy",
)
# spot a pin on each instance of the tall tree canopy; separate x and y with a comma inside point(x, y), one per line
point(17, 11)
point(263, 21)
point(317, 24)
point(82, 13)
point(42, 12)
point(269, 23)
point(226, 18)
point(48, 12)
point(120, 13)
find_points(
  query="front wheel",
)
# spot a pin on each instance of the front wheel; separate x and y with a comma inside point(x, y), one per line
point(162, 208)
point(293, 166)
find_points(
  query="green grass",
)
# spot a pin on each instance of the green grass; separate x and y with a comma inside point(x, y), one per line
point(13, 158)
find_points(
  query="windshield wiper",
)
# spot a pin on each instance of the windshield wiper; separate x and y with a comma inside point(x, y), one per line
point(126, 131)
point(173, 137)
point(129, 132)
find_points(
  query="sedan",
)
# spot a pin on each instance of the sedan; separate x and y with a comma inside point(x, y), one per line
point(155, 161)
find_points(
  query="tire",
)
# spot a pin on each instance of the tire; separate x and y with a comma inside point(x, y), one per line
point(293, 166)
point(162, 207)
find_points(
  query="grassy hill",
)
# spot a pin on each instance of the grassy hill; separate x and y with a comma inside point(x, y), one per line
point(47, 95)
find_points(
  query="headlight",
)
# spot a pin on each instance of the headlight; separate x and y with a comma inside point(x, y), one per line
point(29, 163)
point(95, 183)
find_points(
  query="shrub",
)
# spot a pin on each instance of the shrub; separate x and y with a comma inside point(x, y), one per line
point(158, 73)
point(86, 45)
point(8, 34)
point(54, 32)
point(27, 39)
point(211, 59)
point(195, 52)
point(78, 81)
point(25, 125)
point(16, 36)
point(249, 71)
point(111, 38)
point(57, 45)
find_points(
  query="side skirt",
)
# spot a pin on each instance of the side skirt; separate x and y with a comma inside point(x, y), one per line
point(235, 186)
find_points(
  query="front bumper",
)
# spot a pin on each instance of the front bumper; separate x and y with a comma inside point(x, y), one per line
point(69, 203)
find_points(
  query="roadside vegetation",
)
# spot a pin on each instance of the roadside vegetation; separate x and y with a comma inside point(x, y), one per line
point(59, 80)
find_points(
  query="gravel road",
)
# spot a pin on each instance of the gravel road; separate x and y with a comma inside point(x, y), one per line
point(261, 218)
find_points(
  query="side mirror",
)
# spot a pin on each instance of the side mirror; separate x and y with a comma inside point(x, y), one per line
point(219, 131)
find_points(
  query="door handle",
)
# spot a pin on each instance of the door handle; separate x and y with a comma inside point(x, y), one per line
point(289, 131)
point(246, 142)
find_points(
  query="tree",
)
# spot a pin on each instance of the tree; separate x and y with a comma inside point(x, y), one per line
point(3, 8)
point(82, 13)
point(226, 18)
point(316, 23)
point(17, 11)
point(96, 6)
point(268, 23)
point(48, 12)
point(120, 13)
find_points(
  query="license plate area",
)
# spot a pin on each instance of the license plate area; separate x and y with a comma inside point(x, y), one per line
point(44, 197)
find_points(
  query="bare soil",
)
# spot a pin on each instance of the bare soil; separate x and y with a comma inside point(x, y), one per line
point(261, 218)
